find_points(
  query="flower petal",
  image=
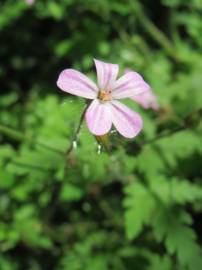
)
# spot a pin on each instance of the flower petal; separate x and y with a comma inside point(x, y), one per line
point(147, 100)
point(98, 117)
point(127, 122)
point(76, 83)
point(129, 85)
point(106, 74)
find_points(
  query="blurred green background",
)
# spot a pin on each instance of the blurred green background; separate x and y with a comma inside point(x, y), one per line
point(137, 208)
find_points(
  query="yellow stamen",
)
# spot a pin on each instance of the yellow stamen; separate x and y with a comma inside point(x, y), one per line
point(104, 95)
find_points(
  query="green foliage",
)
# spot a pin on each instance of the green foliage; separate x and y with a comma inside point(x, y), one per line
point(140, 206)
point(137, 207)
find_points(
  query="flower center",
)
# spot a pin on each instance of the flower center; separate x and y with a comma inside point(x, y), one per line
point(104, 95)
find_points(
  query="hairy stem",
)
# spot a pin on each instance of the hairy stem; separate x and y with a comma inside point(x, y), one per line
point(20, 136)
point(76, 133)
point(57, 189)
point(190, 121)
point(164, 135)
point(154, 32)
point(30, 166)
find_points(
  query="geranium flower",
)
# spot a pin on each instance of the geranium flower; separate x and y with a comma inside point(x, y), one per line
point(29, 2)
point(105, 109)
point(147, 100)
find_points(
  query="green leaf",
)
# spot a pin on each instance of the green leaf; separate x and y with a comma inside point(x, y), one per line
point(139, 205)
point(55, 9)
point(171, 225)
point(160, 262)
point(70, 192)
point(175, 191)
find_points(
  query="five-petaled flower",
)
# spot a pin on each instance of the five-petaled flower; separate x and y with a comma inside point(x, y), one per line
point(29, 2)
point(105, 109)
point(147, 99)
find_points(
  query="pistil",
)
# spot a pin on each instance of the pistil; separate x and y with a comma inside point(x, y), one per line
point(104, 95)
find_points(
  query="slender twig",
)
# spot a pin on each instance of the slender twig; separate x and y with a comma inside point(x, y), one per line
point(154, 32)
point(76, 133)
point(164, 135)
point(190, 121)
point(20, 136)
point(57, 189)
point(30, 166)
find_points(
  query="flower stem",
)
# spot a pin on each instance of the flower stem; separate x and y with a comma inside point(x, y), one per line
point(56, 192)
point(154, 32)
point(76, 133)
point(190, 121)
point(31, 166)
point(164, 135)
point(104, 140)
point(20, 136)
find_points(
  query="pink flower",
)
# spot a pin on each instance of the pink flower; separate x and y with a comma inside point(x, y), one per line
point(147, 99)
point(29, 2)
point(105, 109)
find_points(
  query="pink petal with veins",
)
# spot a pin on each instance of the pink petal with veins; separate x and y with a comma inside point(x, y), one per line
point(29, 2)
point(76, 83)
point(98, 117)
point(127, 122)
point(106, 74)
point(147, 100)
point(130, 84)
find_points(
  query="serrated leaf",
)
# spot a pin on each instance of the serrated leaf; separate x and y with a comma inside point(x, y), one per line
point(180, 239)
point(70, 192)
point(139, 205)
point(175, 191)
